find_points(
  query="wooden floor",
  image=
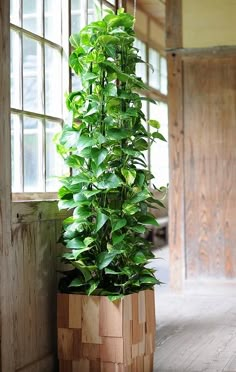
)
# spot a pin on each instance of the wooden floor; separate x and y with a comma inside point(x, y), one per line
point(195, 331)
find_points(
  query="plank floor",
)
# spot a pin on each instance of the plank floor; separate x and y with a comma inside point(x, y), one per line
point(195, 331)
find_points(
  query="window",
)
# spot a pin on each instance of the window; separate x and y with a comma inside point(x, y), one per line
point(155, 77)
point(38, 80)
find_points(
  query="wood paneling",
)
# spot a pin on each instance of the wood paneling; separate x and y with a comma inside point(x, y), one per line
point(210, 166)
point(97, 343)
point(34, 319)
point(6, 255)
point(176, 163)
point(174, 24)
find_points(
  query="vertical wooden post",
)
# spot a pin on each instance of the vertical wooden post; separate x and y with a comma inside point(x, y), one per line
point(6, 256)
point(176, 144)
point(174, 24)
point(176, 156)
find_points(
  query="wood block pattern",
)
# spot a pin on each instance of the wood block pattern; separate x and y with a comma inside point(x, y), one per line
point(96, 335)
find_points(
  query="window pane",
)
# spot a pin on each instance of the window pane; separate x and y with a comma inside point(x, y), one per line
point(54, 162)
point(32, 15)
point(75, 22)
point(32, 75)
point(154, 60)
point(76, 83)
point(33, 156)
point(16, 152)
point(159, 149)
point(141, 68)
point(52, 16)
point(163, 75)
point(53, 82)
point(15, 12)
point(75, 4)
point(15, 70)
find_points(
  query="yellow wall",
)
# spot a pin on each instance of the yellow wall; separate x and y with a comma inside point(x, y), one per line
point(208, 23)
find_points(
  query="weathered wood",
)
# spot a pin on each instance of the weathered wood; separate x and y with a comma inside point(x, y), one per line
point(104, 348)
point(33, 321)
point(7, 273)
point(35, 211)
point(174, 37)
point(176, 163)
point(210, 158)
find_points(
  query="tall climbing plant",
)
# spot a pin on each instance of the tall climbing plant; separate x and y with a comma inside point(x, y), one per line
point(108, 189)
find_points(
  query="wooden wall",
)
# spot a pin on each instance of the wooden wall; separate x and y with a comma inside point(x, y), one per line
point(202, 140)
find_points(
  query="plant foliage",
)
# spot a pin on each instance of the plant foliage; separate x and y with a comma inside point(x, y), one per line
point(108, 189)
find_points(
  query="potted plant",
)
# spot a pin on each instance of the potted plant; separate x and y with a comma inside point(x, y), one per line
point(106, 316)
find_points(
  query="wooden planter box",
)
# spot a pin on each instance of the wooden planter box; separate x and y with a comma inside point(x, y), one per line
point(96, 335)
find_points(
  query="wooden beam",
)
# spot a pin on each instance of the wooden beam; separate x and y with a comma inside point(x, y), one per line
point(6, 253)
point(174, 37)
point(176, 162)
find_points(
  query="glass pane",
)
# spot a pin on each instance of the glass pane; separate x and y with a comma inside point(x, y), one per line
point(32, 15)
point(154, 60)
point(91, 17)
point(15, 12)
point(90, 4)
point(15, 70)
point(141, 68)
point(32, 75)
point(53, 81)
point(163, 75)
point(75, 4)
point(54, 162)
point(159, 149)
point(16, 152)
point(75, 22)
point(33, 155)
point(76, 83)
point(52, 16)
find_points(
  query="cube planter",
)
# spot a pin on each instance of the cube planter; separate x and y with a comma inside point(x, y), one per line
point(97, 335)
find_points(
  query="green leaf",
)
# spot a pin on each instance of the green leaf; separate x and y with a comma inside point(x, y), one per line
point(129, 174)
point(130, 209)
point(110, 181)
point(117, 238)
point(93, 285)
point(148, 220)
point(66, 204)
point(88, 194)
point(139, 257)
point(84, 142)
point(115, 297)
point(139, 229)
point(75, 243)
point(154, 123)
point(118, 133)
point(105, 258)
point(77, 282)
point(143, 195)
point(88, 241)
point(112, 272)
point(75, 40)
point(88, 76)
point(118, 223)
point(159, 136)
point(99, 155)
point(110, 90)
point(101, 220)
point(148, 280)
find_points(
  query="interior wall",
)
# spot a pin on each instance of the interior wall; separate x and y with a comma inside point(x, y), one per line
point(208, 23)
point(202, 142)
point(209, 91)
